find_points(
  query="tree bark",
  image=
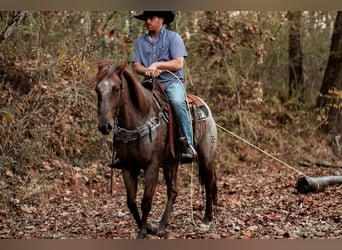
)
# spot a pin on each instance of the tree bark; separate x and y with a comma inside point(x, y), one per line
point(330, 92)
point(295, 67)
point(308, 184)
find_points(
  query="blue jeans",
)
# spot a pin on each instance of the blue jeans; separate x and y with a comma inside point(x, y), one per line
point(176, 94)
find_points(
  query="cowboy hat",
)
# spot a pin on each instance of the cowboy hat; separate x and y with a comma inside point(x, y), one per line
point(168, 16)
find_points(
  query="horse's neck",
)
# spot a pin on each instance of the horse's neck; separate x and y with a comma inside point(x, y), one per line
point(130, 116)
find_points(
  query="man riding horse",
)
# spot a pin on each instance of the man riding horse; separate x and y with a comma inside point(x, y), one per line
point(156, 54)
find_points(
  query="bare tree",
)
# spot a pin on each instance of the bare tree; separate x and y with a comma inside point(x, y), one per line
point(330, 92)
point(295, 67)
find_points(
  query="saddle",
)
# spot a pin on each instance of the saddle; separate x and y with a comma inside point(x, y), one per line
point(198, 111)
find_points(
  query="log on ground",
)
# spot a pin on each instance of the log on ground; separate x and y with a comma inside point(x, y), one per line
point(316, 184)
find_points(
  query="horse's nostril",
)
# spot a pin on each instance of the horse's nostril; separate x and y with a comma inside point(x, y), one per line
point(109, 127)
point(105, 128)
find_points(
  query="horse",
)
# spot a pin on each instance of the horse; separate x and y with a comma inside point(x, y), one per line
point(141, 140)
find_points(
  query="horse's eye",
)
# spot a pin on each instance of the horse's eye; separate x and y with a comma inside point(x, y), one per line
point(116, 90)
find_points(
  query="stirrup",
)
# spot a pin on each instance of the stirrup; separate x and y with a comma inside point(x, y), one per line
point(187, 158)
point(189, 155)
point(115, 164)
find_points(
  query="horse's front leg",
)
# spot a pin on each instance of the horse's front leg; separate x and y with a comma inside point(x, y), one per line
point(170, 176)
point(131, 184)
point(151, 178)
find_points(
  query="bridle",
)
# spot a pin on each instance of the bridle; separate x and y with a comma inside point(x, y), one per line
point(124, 135)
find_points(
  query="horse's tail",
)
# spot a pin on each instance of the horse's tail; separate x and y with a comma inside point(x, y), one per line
point(214, 193)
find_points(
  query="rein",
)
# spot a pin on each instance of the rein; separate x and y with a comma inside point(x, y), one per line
point(125, 135)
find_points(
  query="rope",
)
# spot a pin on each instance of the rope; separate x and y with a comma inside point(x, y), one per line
point(191, 201)
point(252, 145)
point(263, 151)
point(192, 164)
point(240, 138)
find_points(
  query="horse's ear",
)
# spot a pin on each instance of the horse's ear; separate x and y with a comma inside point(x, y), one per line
point(123, 66)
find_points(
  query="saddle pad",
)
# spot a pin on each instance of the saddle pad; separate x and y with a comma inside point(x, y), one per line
point(199, 111)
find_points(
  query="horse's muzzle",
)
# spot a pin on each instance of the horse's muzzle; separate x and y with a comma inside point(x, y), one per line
point(105, 127)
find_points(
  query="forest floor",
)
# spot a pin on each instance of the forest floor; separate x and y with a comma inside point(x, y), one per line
point(48, 191)
point(257, 201)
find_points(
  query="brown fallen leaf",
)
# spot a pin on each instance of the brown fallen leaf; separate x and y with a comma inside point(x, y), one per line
point(9, 173)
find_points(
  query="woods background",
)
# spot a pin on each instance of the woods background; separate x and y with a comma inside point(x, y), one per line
point(271, 77)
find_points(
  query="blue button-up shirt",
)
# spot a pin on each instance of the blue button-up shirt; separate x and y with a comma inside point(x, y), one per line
point(166, 47)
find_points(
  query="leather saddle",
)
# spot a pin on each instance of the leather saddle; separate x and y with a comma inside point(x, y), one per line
point(198, 111)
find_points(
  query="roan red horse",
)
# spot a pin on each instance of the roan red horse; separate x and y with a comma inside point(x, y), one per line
point(141, 139)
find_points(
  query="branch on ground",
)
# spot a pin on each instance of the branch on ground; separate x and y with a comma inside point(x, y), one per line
point(316, 184)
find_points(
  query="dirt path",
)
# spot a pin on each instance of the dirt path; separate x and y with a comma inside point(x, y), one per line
point(257, 201)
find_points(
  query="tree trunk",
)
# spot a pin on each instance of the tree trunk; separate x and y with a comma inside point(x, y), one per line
point(331, 89)
point(295, 67)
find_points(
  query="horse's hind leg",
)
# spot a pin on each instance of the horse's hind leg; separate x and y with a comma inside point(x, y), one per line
point(170, 176)
point(208, 178)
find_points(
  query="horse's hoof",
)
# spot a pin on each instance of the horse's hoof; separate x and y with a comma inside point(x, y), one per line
point(142, 234)
point(204, 227)
point(152, 228)
point(161, 233)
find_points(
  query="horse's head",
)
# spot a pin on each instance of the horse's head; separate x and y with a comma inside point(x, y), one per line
point(109, 90)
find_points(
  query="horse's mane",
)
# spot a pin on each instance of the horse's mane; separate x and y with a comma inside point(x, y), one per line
point(106, 69)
